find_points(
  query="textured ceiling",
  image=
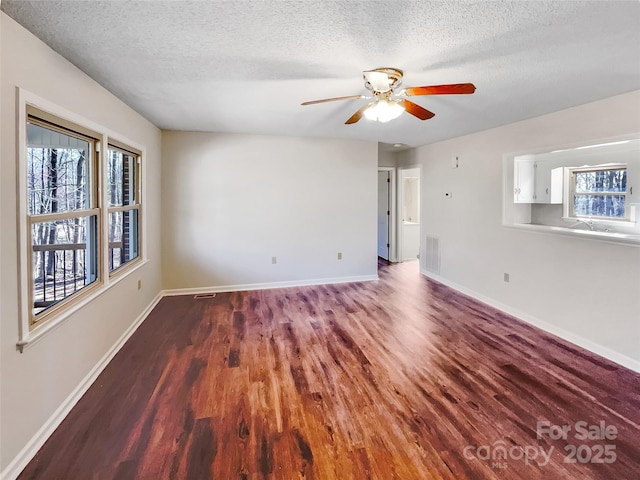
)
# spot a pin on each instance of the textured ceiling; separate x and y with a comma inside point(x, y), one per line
point(245, 66)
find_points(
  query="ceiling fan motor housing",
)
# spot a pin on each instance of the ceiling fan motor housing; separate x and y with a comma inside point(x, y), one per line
point(381, 80)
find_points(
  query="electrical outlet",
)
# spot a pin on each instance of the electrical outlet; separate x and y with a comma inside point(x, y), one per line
point(273, 260)
point(506, 277)
point(339, 255)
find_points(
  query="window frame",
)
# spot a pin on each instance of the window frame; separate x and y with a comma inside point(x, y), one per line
point(137, 205)
point(94, 209)
point(30, 103)
point(570, 190)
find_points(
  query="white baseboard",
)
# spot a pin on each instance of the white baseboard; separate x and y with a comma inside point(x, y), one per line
point(587, 344)
point(21, 460)
point(268, 285)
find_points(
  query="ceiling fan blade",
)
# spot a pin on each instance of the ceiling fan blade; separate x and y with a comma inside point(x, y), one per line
point(356, 116)
point(416, 110)
point(454, 88)
point(335, 99)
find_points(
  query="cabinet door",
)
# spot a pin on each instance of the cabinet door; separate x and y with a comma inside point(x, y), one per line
point(549, 184)
point(633, 181)
point(556, 194)
point(524, 174)
point(542, 186)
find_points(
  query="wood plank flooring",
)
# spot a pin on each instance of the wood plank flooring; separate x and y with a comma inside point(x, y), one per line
point(400, 378)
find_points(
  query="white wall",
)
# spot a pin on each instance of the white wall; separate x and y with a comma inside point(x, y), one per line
point(386, 158)
point(585, 289)
point(36, 382)
point(232, 202)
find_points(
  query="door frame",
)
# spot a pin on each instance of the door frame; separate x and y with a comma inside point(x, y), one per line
point(400, 213)
point(393, 218)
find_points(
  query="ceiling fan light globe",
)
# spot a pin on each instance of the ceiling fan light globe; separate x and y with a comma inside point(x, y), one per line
point(393, 110)
point(371, 113)
point(384, 111)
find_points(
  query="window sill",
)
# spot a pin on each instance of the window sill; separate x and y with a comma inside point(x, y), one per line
point(607, 222)
point(609, 237)
point(27, 339)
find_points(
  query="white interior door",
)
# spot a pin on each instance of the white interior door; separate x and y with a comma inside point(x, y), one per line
point(384, 210)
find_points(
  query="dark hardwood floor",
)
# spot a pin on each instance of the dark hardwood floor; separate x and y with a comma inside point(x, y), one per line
point(397, 378)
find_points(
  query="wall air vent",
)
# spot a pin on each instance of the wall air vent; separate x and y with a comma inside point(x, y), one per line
point(432, 254)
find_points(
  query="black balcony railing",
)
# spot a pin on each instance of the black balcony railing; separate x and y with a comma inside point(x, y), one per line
point(115, 255)
point(61, 270)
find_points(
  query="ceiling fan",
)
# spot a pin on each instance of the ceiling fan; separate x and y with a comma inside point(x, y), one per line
point(390, 101)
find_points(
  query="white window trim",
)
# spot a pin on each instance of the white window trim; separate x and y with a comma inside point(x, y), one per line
point(122, 269)
point(569, 189)
point(27, 335)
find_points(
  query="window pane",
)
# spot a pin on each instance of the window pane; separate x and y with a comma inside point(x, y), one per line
point(121, 178)
point(64, 256)
point(57, 171)
point(601, 181)
point(599, 205)
point(123, 237)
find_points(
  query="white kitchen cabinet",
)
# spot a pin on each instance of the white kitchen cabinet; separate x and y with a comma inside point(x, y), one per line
point(633, 180)
point(524, 179)
point(536, 182)
point(548, 184)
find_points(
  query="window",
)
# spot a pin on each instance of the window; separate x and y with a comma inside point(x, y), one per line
point(83, 215)
point(124, 206)
point(599, 192)
point(63, 214)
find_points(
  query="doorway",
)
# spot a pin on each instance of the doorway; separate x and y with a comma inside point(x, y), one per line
point(386, 213)
point(409, 214)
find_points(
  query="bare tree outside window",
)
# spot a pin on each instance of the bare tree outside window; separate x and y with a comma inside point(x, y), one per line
point(80, 190)
point(122, 188)
point(600, 192)
point(62, 227)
